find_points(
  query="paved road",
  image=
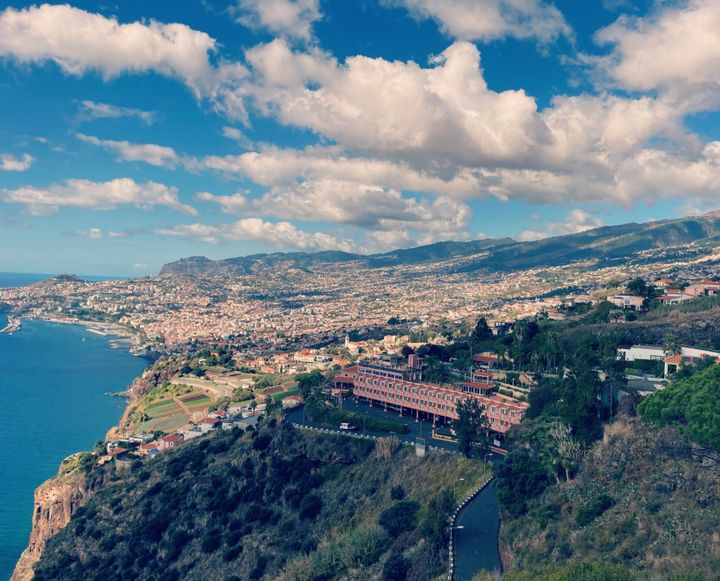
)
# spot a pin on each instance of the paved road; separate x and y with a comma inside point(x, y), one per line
point(415, 429)
point(476, 543)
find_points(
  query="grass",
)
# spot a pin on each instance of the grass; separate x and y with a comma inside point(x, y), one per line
point(329, 416)
point(162, 408)
point(283, 394)
point(164, 424)
point(198, 402)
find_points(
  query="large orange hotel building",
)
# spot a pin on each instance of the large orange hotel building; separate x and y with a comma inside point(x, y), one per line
point(395, 383)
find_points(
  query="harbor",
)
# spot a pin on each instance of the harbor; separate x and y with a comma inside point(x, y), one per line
point(13, 324)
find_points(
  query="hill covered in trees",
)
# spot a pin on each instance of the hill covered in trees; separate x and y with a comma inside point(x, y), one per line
point(644, 500)
point(269, 503)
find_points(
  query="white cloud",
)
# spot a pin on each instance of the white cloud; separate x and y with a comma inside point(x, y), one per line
point(12, 163)
point(487, 20)
point(93, 110)
point(291, 18)
point(575, 222)
point(94, 196)
point(236, 135)
point(279, 234)
point(97, 233)
point(140, 266)
point(158, 155)
point(367, 206)
point(233, 204)
point(675, 49)
point(79, 42)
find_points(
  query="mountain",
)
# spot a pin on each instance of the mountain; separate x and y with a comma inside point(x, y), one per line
point(607, 243)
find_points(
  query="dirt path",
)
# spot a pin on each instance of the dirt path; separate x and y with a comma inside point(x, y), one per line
point(182, 406)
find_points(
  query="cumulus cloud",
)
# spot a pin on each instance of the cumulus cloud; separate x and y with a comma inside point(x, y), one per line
point(367, 206)
point(93, 110)
point(158, 155)
point(487, 20)
point(290, 18)
point(79, 42)
point(675, 49)
point(12, 163)
point(575, 222)
point(94, 196)
point(279, 234)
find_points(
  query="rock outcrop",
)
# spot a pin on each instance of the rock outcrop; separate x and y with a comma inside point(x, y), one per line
point(55, 502)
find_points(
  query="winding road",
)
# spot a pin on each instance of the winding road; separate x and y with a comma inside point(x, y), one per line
point(476, 536)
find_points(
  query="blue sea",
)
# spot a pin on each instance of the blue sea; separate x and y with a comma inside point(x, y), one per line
point(53, 381)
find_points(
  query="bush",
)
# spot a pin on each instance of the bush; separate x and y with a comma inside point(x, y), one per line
point(399, 518)
point(397, 492)
point(396, 568)
point(211, 542)
point(310, 507)
point(593, 509)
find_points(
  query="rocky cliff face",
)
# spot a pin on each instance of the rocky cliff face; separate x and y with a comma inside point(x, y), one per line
point(55, 502)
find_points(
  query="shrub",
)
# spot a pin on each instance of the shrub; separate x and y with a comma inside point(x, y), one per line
point(395, 568)
point(310, 506)
point(399, 518)
point(593, 509)
point(397, 492)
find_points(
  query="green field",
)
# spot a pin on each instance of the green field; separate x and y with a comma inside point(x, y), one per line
point(197, 402)
point(162, 408)
point(283, 394)
point(164, 424)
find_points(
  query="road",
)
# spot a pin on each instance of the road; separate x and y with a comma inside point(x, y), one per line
point(476, 536)
point(415, 429)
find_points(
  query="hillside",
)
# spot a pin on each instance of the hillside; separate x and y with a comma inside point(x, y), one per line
point(641, 499)
point(608, 243)
point(272, 503)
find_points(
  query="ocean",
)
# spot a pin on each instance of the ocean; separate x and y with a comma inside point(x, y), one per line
point(53, 381)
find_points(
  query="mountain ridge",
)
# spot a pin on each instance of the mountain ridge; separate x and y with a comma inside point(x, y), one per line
point(494, 254)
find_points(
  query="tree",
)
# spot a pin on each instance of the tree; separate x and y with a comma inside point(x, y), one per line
point(471, 426)
point(638, 287)
point(307, 382)
point(482, 331)
point(399, 518)
point(690, 404)
point(569, 451)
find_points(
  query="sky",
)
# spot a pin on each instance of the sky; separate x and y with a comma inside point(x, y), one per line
point(136, 133)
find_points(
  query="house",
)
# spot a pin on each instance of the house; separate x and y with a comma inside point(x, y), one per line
point(169, 441)
point(642, 353)
point(675, 298)
point(629, 302)
point(704, 288)
point(149, 449)
point(207, 424)
point(485, 361)
point(344, 381)
point(292, 401)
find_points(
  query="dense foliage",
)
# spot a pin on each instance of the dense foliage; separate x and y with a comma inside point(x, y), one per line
point(640, 500)
point(271, 503)
point(691, 405)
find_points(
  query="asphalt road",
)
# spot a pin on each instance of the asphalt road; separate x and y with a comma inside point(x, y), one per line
point(415, 429)
point(476, 536)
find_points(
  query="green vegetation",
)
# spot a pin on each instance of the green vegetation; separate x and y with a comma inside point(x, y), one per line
point(471, 427)
point(271, 503)
point(332, 416)
point(691, 405)
point(640, 502)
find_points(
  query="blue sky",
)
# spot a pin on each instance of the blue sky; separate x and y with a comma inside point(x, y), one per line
point(136, 133)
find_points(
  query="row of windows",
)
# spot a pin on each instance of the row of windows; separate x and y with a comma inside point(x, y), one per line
point(493, 409)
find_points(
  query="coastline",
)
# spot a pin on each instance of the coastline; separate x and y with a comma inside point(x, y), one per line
point(54, 500)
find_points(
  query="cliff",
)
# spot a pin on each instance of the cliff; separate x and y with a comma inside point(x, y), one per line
point(55, 502)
